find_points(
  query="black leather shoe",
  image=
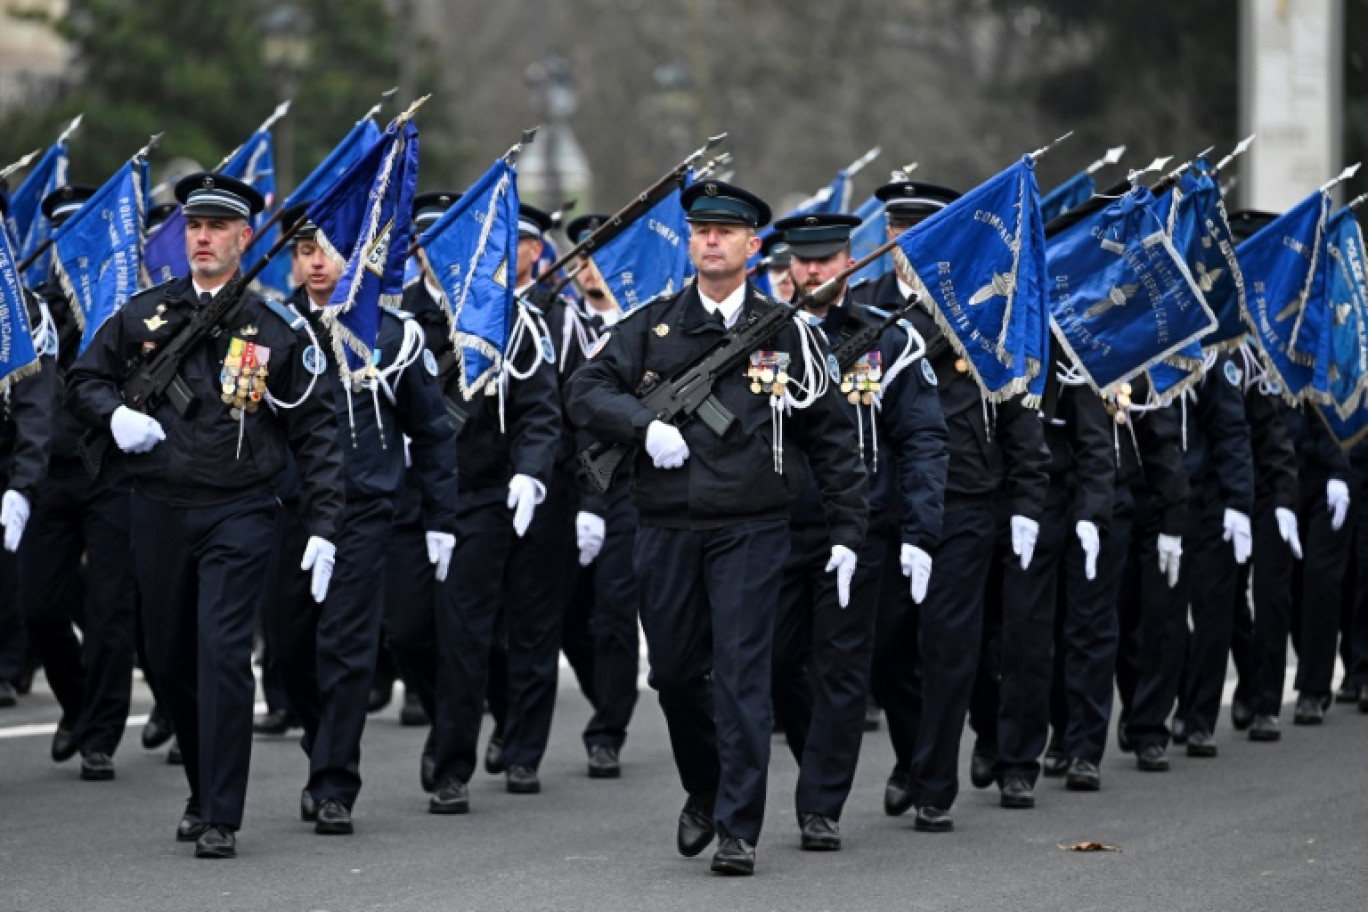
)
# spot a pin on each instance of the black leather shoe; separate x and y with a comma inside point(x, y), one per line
point(695, 827)
point(191, 827)
point(1241, 716)
point(1083, 776)
point(63, 742)
point(1348, 693)
point(603, 762)
point(274, 722)
point(522, 780)
point(97, 766)
point(1201, 744)
point(1017, 793)
point(1123, 741)
point(933, 820)
point(452, 797)
point(412, 712)
point(981, 765)
point(1309, 711)
point(173, 754)
point(216, 842)
point(333, 819)
point(1054, 764)
point(157, 731)
point(381, 693)
point(1264, 728)
point(1152, 759)
point(1178, 730)
point(898, 794)
point(1363, 699)
point(308, 807)
point(820, 833)
point(494, 759)
point(8, 695)
point(427, 765)
point(734, 857)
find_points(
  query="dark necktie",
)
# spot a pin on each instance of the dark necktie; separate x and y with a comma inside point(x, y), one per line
point(205, 298)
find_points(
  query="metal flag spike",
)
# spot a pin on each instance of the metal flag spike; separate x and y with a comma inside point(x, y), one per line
point(412, 110)
point(558, 216)
point(1157, 165)
point(20, 164)
point(147, 149)
point(1178, 171)
point(712, 143)
point(712, 165)
point(528, 137)
point(375, 108)
point(1342, 176)
point(1357, 201)
point(1112, 157)
point(903, 173)
point(1240, 149)
point(1035, 156)
point(854, 167)
point(71, 128)
point(281, 110)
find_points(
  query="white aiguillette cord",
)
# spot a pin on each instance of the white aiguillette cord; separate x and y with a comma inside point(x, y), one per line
point(813, 386)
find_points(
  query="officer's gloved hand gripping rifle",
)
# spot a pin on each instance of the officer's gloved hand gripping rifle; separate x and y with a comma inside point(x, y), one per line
point(156, 378)
point(689, 394)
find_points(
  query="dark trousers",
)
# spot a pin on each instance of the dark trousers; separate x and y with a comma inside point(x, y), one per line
point(92, 678)
point(327, 653)
point(1209, 564)
point(709, 601)
point(1271, 574)
point(821, 664)
point(1316, 581)
point(1153, 633)
point(895, 677)
point(201, 571)
point(14, 646)
point(617, 607)
point(410, 601)
point(949, 633)
point(1354, 614)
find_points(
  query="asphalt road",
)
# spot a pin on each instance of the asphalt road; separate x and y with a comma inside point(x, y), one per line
point(1280, 826)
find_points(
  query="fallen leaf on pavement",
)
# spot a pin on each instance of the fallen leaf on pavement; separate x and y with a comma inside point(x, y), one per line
point(1088, 847)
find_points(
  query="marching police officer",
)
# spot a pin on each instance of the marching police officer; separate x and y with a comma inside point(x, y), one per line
point(202, 480)
point(714, 529)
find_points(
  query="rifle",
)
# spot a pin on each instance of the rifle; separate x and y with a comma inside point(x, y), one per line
point(690, 392)
point(156, 377)
point(854, 346)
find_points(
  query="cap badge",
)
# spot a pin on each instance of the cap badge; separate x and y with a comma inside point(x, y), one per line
point(710, 189)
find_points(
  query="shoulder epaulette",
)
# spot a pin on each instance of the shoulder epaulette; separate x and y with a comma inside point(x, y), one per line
point(160, 286)
point(863, 280)
point(292, 318)
point(397, 313)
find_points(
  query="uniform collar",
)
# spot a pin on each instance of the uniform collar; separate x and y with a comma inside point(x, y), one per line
point(728, 307)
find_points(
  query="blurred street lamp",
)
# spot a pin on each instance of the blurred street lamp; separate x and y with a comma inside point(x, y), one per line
point(286, 49)
point(554, 166)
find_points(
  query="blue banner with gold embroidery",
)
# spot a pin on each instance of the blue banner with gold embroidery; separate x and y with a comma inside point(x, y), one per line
point(472, 252)
point(981, 263)
point(28, 226)
point(1341, 370)
point(1120, 296)
point(650, 256)
point(97, 252)
point(17, 354)
point(164, 256)
point(868, 236)
point(834, 197)
point(364, 224)
point(359, 139)
point(254, 164)
point(1073, 192)
point(1283, 271)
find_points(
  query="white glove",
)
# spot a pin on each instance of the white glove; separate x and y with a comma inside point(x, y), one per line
point(843, 563)
point(319, 557)
point(916, 566)
point(439, 547)
point(1170, 556)
point(1091, 541)
point(524, 493)
point(1337, 499)
point(1238, 534)
point(133, 431)
point(666, 445)
point(1024, 532)
point(1287, 528)
point(14, 515)
point(589, 530)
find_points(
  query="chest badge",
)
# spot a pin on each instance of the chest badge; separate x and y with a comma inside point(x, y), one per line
point(662, 330)
point(156, 321)
point(863, 382)
point(251, 329)
point(768, 372)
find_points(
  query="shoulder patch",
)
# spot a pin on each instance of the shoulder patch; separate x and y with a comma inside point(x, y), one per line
point(928, 372)
point(1232, 374)
point(1274, 388)
point(316, 364)
point(548, 350)
point(429, 362)
point(833, 368)
point(397, 313)
point(291, 317)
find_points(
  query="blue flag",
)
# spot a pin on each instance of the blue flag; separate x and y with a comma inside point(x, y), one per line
point(1196, 221)
point(1121, 297)
point(28, 226)
point(650, 257)
point(98, 251)
point(1074, 192)
point(1282, 267)
point(870, 235)
point(17, 355)
point(364, 222)
point(981, 262)
point(164, 253)
point(362, 137)
point(834, 197)
point(472, 251)
point(254, 164)
point(1341, 371)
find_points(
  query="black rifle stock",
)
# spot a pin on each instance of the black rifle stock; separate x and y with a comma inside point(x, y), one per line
point(854, 346)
